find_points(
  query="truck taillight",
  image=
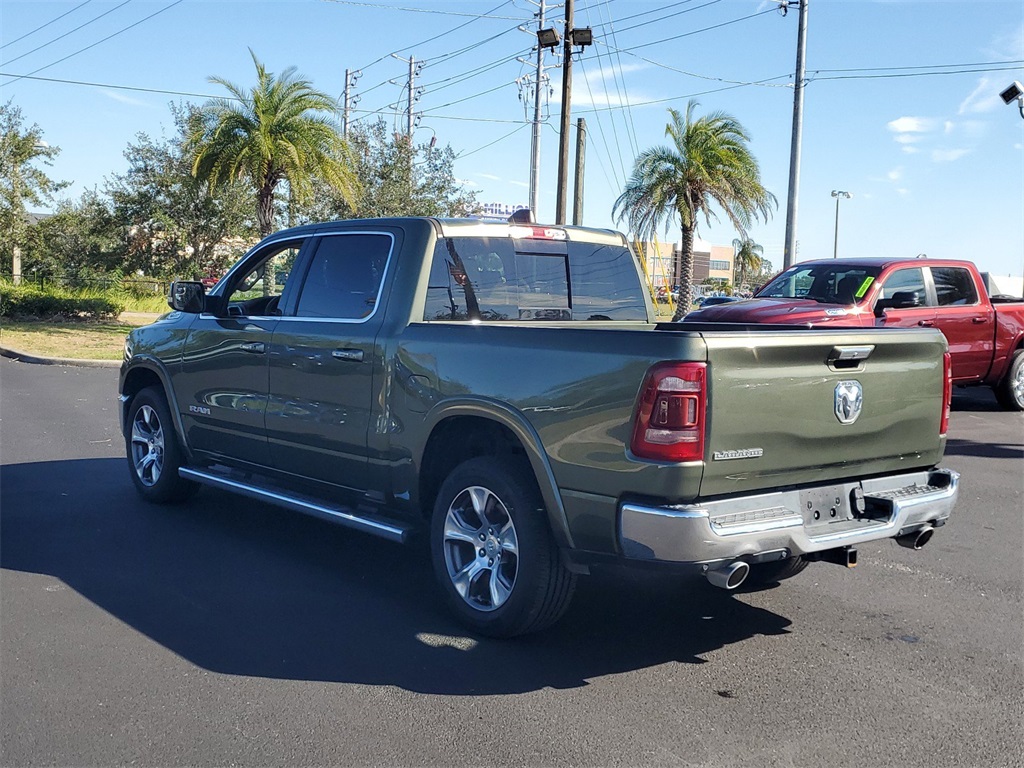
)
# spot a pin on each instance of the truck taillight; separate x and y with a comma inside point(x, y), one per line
point(947, 393)
point(671, 416)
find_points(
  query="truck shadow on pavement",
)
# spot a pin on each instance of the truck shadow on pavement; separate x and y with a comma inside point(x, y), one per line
point(242, 588)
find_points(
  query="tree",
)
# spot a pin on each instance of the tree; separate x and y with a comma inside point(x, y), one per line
point(708, 163)
point(396, 178)
point(280, 131)
point(81, 240)
point(747, 259)
point(21, 183)
point(178, 225)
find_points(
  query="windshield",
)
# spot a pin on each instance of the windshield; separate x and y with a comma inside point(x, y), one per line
point(824, 283)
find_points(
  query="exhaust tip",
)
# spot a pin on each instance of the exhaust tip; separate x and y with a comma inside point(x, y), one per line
point(917, 539)
point(729, 577)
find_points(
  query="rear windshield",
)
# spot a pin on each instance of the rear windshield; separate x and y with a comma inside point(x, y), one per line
point(824, 283)
point(498, 278)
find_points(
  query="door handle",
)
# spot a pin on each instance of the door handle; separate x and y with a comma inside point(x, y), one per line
point(979, 320)
point(351, 355)
point(926, 323)
point(256, 347)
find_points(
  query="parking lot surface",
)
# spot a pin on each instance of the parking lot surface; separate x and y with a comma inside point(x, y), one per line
point(226, 632)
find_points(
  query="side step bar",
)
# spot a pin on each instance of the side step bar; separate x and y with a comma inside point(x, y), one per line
point(392, 531)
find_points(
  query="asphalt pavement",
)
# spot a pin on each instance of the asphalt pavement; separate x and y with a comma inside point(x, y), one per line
point(226, 632)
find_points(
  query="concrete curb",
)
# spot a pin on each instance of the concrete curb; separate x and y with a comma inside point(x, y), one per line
point(24, 357)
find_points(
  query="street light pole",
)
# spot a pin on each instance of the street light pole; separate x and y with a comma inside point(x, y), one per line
point(838, 194)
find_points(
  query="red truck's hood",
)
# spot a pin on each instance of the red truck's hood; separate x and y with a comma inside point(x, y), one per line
point(782, 311)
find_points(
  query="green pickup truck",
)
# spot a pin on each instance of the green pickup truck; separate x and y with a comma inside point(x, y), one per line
point(501, 393)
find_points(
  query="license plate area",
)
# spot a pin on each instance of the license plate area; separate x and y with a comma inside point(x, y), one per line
point(826, 506)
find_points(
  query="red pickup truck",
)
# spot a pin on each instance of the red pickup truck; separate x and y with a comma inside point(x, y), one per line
point(985, 334)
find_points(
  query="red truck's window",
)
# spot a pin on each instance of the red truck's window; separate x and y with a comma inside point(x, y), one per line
point(954, 285)
point(495, 279)
point(909, 280)
point(828, 284)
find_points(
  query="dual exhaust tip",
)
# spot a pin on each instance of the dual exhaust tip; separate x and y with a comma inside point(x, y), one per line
point(735, 573)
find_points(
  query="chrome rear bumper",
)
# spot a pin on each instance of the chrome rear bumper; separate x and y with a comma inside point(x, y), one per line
point(785, 522)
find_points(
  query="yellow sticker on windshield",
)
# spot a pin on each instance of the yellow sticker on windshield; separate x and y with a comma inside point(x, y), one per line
point(864, 287)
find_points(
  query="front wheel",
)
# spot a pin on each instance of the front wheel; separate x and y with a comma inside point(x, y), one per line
point(154, 454)
point(1010, 391)
point(492, 550)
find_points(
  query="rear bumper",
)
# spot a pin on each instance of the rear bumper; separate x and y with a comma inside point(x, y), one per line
point(783, 524)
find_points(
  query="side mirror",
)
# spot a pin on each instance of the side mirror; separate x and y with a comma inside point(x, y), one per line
point(899, 300)
point(187, 296)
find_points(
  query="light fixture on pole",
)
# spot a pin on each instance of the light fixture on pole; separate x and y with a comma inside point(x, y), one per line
point(837, 194)
point(548, 38)
point(1014, 92)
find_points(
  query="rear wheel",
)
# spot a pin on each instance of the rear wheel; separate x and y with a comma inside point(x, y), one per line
point(762, 574)
point(492, 550)
point(154, 454)
point(1010, 391)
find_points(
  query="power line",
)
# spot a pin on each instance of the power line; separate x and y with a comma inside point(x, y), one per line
point(915, 74)
point(485, 146)
point(43, 26)
point(628, 52)
point(669, 16)
point(925, 66)
point(115, 87)
point(422, 10)
point(708, 29)
point(93, 45)
point(61, 37)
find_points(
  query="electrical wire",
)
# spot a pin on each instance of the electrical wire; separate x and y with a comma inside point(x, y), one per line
point(93, 45)
point(43, 26)
point(708, 29)
point(604, 139)
point(669, 16)
point(486, 146)
point(114, 87)
point(61, 37)
point(692, 74)
point(421, 10)
point(623, 95)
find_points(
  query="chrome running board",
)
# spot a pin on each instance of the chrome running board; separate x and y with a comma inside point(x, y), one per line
point(390, 530)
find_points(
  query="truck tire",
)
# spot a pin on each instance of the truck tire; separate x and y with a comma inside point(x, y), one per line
point(492, 550)
point(762, 574)
point(154, 454)
point(1010, 391)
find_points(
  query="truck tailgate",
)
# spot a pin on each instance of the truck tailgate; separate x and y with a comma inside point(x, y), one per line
point(783, 411)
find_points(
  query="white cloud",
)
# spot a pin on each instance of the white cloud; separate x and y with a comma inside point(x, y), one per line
point(984, 98)
point(895, 174)
point(519, 184)
point(911, 150)
point(907, 138)
point(902, 191)
point(911, 125)
point(948, 155)
point(948, 127)
point(489, 177)
point(124, 99)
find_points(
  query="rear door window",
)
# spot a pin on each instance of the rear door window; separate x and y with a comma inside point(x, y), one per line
point(954, 285)
point(498, 279)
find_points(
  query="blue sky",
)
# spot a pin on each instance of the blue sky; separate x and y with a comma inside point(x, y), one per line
point(935, 161)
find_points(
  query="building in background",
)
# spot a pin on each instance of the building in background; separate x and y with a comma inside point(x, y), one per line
point(709, 261)
point(500, 210)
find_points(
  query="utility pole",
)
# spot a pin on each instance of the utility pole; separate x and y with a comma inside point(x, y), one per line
point(349, 101)
point(789, 254)
point(563, 132)
point(581, 151)
point(535, 141)
point(412, 96)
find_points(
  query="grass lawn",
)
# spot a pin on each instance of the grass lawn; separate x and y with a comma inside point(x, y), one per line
point(75, 340)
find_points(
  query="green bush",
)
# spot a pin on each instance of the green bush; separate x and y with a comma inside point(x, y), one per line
point(23, 301)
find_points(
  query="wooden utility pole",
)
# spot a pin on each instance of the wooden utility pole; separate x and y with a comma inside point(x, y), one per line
point(563, 133)
point(581, 151)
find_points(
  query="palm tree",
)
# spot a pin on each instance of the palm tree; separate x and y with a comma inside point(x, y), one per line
point(748, 258)
point(707, 163)
point(280, 131)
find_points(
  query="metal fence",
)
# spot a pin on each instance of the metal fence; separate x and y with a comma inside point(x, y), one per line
point(134, 285)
